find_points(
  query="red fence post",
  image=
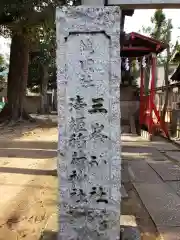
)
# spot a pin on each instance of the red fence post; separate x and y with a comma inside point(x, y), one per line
point(152, 93)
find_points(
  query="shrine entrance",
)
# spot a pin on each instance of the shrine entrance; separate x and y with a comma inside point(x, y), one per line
point(140, 52)
point(88, 82)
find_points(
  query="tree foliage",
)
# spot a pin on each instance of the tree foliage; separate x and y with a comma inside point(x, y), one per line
point(159, 26)
point(20, 20)
point(44, 56)
point(3, 71)
point(42, 69)
point(161, 29)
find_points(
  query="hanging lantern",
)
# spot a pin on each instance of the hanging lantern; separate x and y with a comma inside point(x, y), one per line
point(144, 62)
point(127, 64)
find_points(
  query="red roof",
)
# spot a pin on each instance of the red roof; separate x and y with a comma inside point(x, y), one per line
point(138, 45)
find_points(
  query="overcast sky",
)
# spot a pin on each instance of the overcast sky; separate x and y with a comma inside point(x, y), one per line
point(134, 23)
point(143, 17)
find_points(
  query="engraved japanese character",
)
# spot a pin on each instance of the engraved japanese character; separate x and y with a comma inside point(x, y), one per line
point(99, 194)
point(97, 106)
point(95, 161)
point(97, 132)
point(72, 124)
point(77, 124)
point(77, 103)
point(87, 65)
point(86, 80)
point(80, 124)
point(78, 157)
point(79, 195)
point(87, 45)
point(77, 175)
point(77, 139)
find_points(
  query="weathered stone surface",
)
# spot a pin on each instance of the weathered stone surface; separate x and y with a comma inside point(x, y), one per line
point(130, 233)
point(155, 160)
point(132, 139)
point(174, 155)
point(125, 173)
point(146, 136)
point(138, 149)
point(128, 220)
point(169, 233)
point(140, 171)
point(137, 152)
point(162, 203)
point(88, 80)
point(165, 146)
point(123, 192)
point(167, 171)
point(127, 157)
point(175, 186)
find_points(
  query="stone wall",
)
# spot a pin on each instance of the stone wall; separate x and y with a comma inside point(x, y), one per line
point(32, 104)
point(129, 106)
point(172, 117)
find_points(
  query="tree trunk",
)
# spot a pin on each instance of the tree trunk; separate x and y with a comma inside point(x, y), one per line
point(17, 80)
point(166, 96)
point(44, 88)
point(166, 71)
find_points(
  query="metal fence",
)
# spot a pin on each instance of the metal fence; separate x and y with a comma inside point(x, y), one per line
point(172, 117)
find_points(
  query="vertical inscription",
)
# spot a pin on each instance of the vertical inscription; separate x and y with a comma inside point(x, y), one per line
point(87, 65)
point(77, 146)
point(84, 131)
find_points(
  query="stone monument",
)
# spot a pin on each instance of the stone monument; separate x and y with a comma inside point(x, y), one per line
point(88, 82)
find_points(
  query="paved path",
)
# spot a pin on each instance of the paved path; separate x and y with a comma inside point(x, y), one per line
point(27, 183)
point(154, 170)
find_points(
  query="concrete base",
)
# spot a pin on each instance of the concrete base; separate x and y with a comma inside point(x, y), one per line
point(130, 233)
point(146, 135)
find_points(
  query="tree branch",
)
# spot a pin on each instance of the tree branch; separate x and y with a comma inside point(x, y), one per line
point(28, 15)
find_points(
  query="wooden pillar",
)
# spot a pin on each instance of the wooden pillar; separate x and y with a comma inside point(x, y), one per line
point(141, 94)
point(152, 92)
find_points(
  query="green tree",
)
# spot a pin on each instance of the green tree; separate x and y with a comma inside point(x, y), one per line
point(42, 65)
point(3, 71)
point(156, 30)
point(176, 55)
point(19, 19)
point(161, 29)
